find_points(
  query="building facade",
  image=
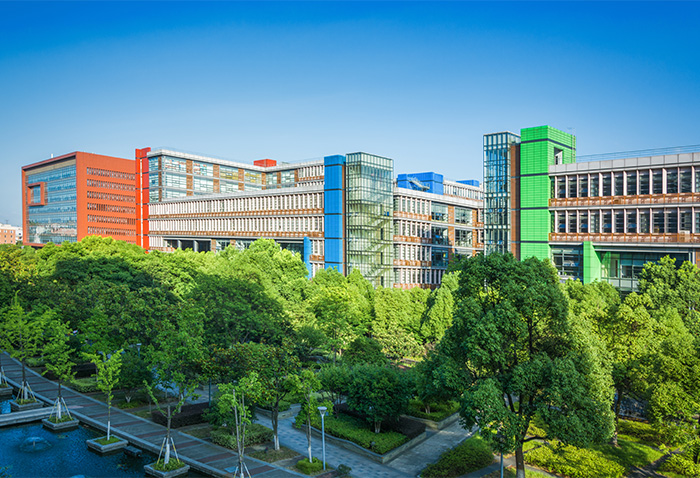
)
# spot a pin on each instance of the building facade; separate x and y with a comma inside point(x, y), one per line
point(78, 194)
point(340, 211)
point(9, 234)
point(604, 217)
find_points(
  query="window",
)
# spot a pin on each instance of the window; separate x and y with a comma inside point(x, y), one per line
point(594, 186)
point(607, 184)
point(572, 187)
point(572, 223)
point(686, 181)
point(583, 187)
point(643, 182)
point(686, 224)
point(657, 181)
point(632, 183)
point(439, 212)
point(620, 222)
point(619, 184)
point(607, 222)
point(672, 221)
point(583, 222)
point(644, 222)
point(595, 222)
point(658, 224)
point(631, 222)
point(561, 187)
point(439, 235)
point(672, 181)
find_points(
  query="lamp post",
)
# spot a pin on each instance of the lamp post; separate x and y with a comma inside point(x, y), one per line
point(322, 411)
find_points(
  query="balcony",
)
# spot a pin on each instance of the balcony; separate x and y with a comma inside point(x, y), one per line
point(676, 238)
point(638, 200)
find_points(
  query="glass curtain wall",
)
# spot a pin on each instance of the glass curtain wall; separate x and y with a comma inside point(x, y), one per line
point(497, 190)
point(57, 220)
point(369, 212)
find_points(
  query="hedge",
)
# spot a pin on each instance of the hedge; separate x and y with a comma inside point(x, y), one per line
point(681, 465)
point(575, 462)
point(438, 411)
point(404, 425)
point(644, 432)
point(189, 415)
point(255, 434)
point(471, 455)
point(84, 385)
point(356, 430)
point(310, 468)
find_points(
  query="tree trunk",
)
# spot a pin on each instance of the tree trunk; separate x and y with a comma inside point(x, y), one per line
point(25, 395)
point(58, 402)
point(613, 439)
point(109, 418)
point(377, 426)
point(166, 460)
point(308, 436)
point(275, 423)
point(519, 462)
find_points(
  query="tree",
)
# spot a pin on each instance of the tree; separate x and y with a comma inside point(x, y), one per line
point(58, 360)
point(335, 381)
point(380, 393)
point(514, 352)
point(398, 318)
point(20, 336)
point(441, 305)
point(365, 350)
point(306, 383)
point(134, 373)
point(108, 369)
point(232, 404)
point(174, 360)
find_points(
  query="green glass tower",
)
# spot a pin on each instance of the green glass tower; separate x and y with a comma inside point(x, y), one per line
point(369, 216)
point(540, 147)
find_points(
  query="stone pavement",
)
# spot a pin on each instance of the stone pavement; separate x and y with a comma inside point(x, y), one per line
point(407, 465)
point(202, 456)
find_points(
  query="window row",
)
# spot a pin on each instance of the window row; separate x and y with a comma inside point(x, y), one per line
point(110, 174)
point(627, 221)
point(109, 196)
point(418, 276)
point(109, 231)
point(52, 175)
point(308, 171)
point(627, 183)
point(110, 208)
point(463, 191)
point(233, 225)
point(96, 183)
point(243, 204)
point(111, 220)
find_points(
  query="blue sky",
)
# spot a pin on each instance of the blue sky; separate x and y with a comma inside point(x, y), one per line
point(417, 82)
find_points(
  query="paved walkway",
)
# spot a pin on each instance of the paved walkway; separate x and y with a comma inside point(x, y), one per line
point(201, 455)
point(409, 464)
point(219, 461)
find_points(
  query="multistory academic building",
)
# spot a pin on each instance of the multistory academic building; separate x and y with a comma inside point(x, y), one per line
point(599, 217)
point(340, 211)
point(76, 195)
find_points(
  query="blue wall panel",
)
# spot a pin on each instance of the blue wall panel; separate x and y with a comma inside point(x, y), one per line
point(334, 220)
point(307, 255)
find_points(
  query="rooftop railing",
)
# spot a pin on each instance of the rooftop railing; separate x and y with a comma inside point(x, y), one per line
point(641, 153)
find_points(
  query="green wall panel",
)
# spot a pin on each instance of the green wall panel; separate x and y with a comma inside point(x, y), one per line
point(541, 251)
point(592, 266)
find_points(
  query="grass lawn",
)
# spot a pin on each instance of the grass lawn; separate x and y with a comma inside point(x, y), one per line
point(199, 431)
point(597, 461)
point(509, 472)
point(357, 431)
point(471, 455)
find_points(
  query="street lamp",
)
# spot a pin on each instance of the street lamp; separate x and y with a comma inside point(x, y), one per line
point(322, 411)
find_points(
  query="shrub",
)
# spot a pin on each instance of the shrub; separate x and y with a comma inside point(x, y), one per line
point(104, 441)
point(471, 455)
point(343, 470)
point(644, 432)
point(172, 465)
point(84, 385)
point(35, 361)
point(575, 462)
point(682, 465)
point(355, 430)
point(189, 415)
point(365, 350)
point(255, 434)
point(64, 418)
point(438, 411)
point(404, 425)
point(310, 468)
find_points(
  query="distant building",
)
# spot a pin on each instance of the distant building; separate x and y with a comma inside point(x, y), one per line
point(341, 211)
point(603, 217)
point(9, 234)
point(78, 194)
